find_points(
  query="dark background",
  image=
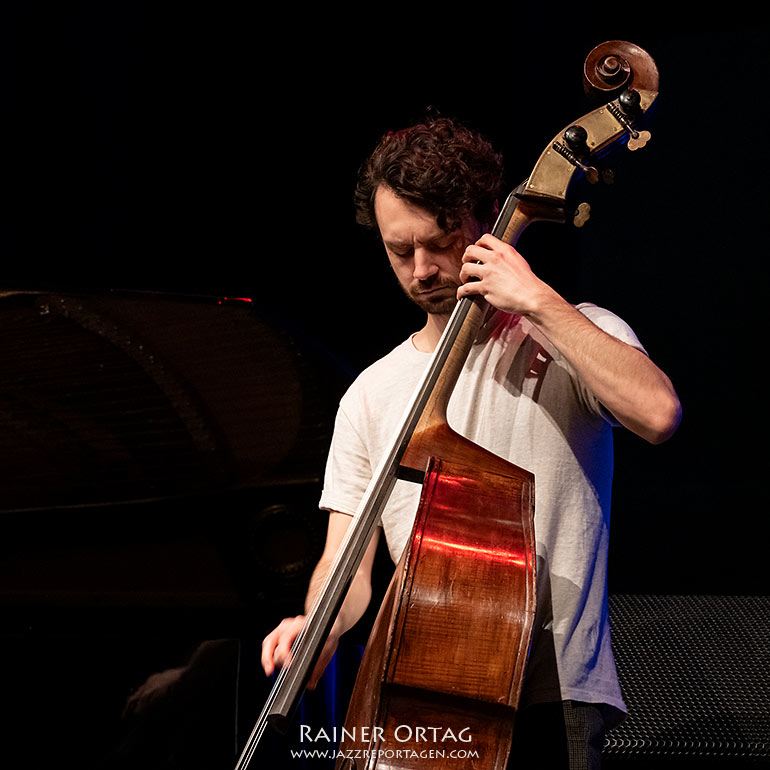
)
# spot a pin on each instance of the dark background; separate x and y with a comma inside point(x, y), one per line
point(209, 149)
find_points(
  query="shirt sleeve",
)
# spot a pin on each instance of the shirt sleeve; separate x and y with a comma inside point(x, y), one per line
point(348, 467)
point(612, 324)
point(616, 327)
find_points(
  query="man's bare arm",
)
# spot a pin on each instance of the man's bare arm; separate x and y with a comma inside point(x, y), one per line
point(276, 647)
point(624, 380)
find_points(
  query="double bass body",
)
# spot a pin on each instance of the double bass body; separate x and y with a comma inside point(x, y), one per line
point(442, 672)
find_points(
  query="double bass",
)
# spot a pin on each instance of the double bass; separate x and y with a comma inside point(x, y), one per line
point(450, 643)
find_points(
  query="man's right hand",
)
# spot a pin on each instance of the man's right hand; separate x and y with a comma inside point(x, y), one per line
point(276, 648)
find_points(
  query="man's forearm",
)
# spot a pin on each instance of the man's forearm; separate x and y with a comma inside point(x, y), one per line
point(355, 604)
point(624, 380)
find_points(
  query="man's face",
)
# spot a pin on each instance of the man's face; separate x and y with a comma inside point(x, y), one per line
point(425, 258)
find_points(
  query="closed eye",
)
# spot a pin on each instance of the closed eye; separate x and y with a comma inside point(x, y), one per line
point(400, 251)
point(445, 244)
point(406, 251)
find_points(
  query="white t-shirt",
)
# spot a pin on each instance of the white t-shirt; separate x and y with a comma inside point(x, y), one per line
point(519, 398)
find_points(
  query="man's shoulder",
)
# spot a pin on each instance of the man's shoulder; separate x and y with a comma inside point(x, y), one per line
point(392, 370)
point(611, 323)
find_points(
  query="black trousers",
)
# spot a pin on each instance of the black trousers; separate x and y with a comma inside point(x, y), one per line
point(568, 735)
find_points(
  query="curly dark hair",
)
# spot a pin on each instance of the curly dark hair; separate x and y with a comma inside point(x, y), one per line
point(439, 165)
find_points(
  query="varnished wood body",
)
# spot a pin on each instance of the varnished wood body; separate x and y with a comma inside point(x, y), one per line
point(449, 646)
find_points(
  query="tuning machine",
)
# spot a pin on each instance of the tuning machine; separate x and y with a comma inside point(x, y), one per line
point(625, 110)
point(581, 215)
point(575, 149)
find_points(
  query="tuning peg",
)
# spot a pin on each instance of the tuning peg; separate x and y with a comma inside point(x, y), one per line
point(576, 138)
point(575, 148)
point(625, 110)
point(638, 139)
point(582, 215)
point(630, 102)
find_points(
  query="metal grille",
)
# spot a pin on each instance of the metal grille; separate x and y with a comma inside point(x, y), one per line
point(695, 673)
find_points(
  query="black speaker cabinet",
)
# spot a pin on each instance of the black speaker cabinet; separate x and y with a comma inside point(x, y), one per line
point(695, 674)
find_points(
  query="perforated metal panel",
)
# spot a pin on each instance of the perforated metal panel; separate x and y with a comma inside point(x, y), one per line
point(695, 673)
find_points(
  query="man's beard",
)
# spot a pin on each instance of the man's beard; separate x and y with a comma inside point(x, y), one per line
point(438, 303)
